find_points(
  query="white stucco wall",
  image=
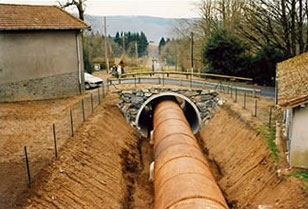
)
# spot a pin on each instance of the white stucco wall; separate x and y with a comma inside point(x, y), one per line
point(299, 137)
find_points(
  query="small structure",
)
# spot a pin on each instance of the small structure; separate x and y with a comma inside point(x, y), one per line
point(292, 96)
point(100, 63)
point(40, 54)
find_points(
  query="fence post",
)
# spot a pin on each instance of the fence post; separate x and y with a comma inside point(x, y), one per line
point(92, 102)
point(231, 92)
point(99, 96)
point(27, 166)
point(139, 80)
point(135, 82)
point(159, 80)
point(83, 113)
point(107, 85)
point(235, 96)
point(103, 88)
point(72, 124)
point(245, 100)
point(191, 81)
point(163, 79)
point(270, 118)
point(256, 106)
point(54, 139)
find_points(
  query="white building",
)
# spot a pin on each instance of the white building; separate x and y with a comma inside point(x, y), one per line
point(292, 96)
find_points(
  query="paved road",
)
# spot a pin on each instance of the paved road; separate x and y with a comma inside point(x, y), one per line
point(265, 91)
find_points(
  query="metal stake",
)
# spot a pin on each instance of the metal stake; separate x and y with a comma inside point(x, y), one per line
point(54, 139)
point(256, 104)
point(99, 96)
point(245, 100)
point(83, 113)
point(92, 102)
point(27, 166)
point(270, 118)
point(72, 124)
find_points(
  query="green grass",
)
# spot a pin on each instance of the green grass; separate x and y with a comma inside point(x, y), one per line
point(302, 175)
point(269, 134)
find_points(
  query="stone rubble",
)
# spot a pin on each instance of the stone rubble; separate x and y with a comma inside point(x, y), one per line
point(207, 101)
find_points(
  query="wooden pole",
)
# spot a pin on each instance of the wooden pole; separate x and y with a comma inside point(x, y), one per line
point(192, 52)
point(106, 47)
point(136, 49)
point(27, 166)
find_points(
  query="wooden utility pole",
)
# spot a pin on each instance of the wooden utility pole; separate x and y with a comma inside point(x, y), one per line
point(192, 52)
point(136, 49)
point(106, 48)
point(123, 45)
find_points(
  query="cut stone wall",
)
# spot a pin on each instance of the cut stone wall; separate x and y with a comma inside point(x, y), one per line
point(57, 86)
point(207, 101)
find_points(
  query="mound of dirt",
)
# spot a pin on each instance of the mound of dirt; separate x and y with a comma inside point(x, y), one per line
point(89, 171)
point(245, 171)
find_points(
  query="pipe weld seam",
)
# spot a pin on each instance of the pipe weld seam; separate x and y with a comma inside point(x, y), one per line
point(198, 197)
point(182, 156)
point(187, 173)
point(178, 119)
point(172, 134)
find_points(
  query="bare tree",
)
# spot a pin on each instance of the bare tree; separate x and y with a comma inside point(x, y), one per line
point(79, 4)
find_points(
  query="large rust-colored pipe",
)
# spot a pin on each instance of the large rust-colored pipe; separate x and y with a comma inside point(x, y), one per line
point(182, 177)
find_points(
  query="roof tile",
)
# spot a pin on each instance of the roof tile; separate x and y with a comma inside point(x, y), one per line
point(292, 79)
point(37, 17)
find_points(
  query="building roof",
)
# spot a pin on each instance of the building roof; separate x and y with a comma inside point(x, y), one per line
point(292, 81)
point(37, 17)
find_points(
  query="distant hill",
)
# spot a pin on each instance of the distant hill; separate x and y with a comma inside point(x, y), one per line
point(153, 27)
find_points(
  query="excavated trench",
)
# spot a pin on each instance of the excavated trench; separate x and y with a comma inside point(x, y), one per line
point(106, 165)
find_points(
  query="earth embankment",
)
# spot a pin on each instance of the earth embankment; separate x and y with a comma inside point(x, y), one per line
point(245, 170)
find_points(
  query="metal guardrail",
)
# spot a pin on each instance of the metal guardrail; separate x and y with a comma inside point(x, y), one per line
point(180, 82)
point(186, 74)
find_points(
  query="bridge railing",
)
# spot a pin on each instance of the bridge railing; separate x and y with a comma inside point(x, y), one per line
point(226, 88)
point(247, 98)
point(187, 74)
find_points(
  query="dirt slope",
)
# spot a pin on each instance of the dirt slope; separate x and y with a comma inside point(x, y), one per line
point(88, 173)
point(245, 171)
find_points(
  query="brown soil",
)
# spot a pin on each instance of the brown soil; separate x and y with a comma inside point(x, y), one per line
point(29, 124)
point(100, 167)
point(244, 168)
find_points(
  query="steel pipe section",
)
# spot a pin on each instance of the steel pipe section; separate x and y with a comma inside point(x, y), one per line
point(144, 118)
point(182, 177)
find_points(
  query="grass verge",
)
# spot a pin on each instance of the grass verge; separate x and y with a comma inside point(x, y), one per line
point(269, 134)
point(303, 176)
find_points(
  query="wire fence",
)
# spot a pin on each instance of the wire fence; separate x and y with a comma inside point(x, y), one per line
point(51, 136)
point(39, 140)
point(64, 128)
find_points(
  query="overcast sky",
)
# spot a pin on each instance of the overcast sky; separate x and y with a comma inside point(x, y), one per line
point(158, 8)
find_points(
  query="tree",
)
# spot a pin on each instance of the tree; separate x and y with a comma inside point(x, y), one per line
point(263, 69)
point(225, 53)
point(162, 43)
point(79, 4)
